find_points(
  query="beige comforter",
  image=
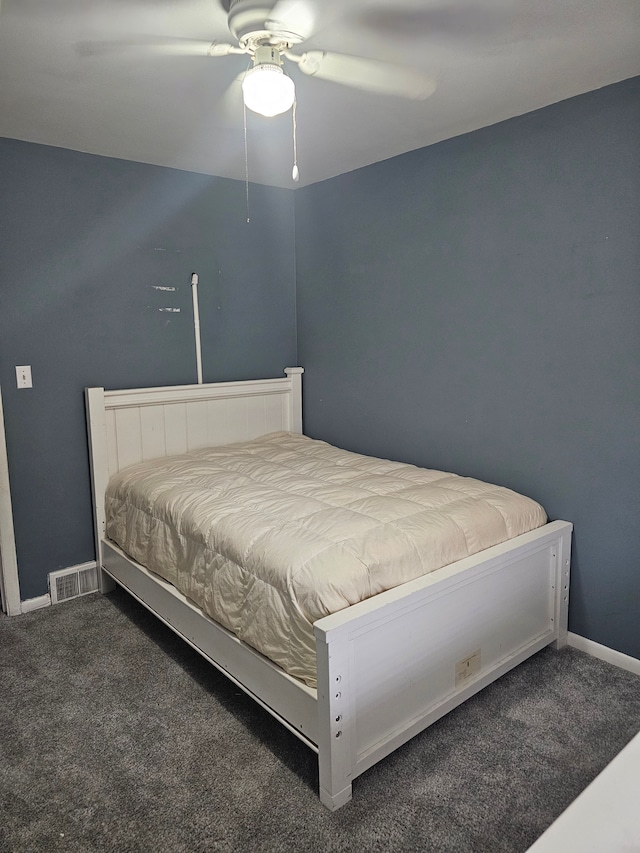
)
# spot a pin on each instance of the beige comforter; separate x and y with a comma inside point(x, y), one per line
point(269, 535)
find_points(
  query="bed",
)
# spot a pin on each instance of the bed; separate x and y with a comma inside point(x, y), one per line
point(383, 668)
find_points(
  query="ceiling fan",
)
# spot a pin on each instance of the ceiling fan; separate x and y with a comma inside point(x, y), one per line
point(269, 32)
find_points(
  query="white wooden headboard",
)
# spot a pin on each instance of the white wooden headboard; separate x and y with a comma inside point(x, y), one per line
point(137, 424)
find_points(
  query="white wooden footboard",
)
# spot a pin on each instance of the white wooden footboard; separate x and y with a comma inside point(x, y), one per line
point(392, 665)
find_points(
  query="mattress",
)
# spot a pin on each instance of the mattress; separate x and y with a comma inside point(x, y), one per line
point(268, 536)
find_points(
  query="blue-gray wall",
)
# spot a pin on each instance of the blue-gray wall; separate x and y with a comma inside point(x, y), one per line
point(472, 306)
point(85, 243)
point(475, 306)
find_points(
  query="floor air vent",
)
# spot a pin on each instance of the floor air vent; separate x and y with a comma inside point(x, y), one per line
point(72, 582)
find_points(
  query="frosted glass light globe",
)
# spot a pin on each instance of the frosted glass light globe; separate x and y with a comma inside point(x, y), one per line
point(267, 90)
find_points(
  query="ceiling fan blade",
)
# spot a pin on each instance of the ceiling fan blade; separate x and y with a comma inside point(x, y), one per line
point(368, 74)
point(155, 46)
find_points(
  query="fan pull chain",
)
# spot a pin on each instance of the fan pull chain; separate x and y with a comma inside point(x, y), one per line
point(246, 157)
point(295, 174)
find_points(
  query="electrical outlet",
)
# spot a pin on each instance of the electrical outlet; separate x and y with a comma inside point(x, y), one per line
point(23, 376)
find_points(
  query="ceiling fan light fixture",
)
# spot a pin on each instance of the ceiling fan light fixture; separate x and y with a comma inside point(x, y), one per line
point(267, 90)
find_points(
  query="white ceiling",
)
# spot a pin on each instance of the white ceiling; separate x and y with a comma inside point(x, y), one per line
point(87, 75)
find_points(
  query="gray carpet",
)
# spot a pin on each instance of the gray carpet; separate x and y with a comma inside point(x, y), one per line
point(116, 736)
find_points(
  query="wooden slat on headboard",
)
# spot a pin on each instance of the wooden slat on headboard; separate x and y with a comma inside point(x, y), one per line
point(147, 425)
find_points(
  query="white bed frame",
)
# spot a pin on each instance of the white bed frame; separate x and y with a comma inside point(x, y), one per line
point(387, 667)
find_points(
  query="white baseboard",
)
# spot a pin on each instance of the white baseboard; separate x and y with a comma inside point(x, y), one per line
point(604, 653)
point(35, 603)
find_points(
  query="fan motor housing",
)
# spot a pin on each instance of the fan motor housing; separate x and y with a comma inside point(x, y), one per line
point(251, 21)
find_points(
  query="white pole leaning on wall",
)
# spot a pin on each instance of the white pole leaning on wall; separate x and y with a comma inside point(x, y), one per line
point(196, 325)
